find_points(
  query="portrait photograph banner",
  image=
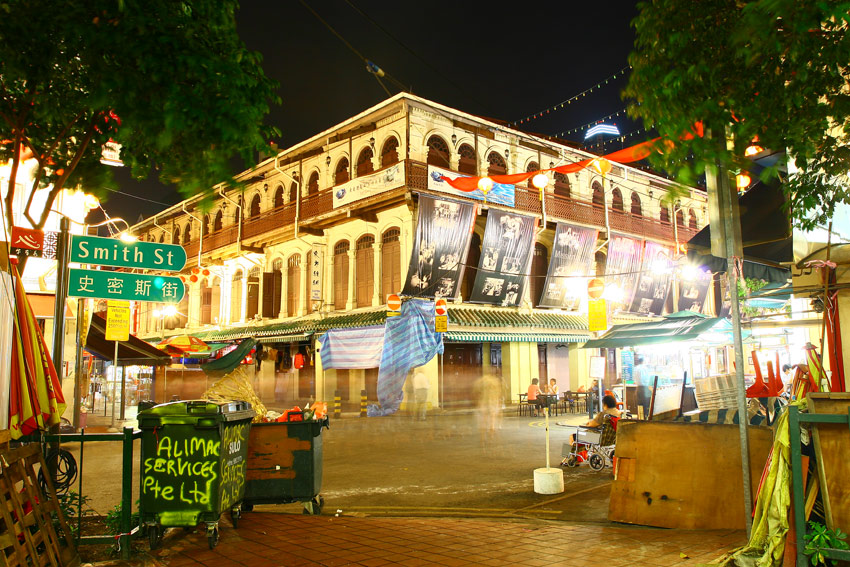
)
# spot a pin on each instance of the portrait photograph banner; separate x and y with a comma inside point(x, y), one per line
point(501, 193)
point(694, 290)
point(570, 267)
point(622, 267)
point(654, 280)
point(443, 232)
point(505, 256)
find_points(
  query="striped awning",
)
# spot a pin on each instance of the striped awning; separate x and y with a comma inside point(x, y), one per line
point(285, 338)
point(494, 337)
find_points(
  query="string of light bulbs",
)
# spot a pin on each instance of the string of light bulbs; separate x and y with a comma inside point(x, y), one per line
point(573, 98)
point(621, 112)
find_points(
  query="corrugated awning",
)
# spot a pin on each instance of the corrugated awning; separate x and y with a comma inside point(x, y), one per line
point(132, 351)
point(285, 338)
point(492, 337)
point(43, 305)
point(676, 327)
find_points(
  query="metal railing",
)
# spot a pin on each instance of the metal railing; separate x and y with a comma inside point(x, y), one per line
point(126, 438)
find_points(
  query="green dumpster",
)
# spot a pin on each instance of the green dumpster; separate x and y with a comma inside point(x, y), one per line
point(193, 463)
point(285, 464)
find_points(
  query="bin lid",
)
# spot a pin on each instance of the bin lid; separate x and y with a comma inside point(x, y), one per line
point(224, 410)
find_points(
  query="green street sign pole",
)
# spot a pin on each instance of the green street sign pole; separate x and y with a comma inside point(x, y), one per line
point(128, 287)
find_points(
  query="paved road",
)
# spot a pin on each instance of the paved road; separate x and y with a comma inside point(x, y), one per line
point(442, 466)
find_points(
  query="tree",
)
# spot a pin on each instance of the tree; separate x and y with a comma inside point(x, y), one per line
point(773, 70)
point(169, 80)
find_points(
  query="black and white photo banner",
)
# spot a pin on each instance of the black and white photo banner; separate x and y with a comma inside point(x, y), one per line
point(570, 267)
point(654, 281)
point(505, 257)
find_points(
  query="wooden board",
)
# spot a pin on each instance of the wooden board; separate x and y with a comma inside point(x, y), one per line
point(683, 475)
point(832, 447)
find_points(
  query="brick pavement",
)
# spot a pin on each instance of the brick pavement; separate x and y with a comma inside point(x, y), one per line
point(272, 540)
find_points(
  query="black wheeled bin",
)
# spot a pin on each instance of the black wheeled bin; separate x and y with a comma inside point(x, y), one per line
point(285, 464)
point(193, 464)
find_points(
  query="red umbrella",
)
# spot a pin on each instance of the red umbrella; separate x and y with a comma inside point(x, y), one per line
point(35, 399)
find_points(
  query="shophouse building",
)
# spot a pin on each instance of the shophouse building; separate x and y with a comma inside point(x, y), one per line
point(317, 236)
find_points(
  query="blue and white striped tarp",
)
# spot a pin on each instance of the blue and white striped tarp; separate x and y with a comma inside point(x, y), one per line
point(409, 341)
point(360, 347)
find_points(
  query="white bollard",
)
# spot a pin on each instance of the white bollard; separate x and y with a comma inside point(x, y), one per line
point(548, 480)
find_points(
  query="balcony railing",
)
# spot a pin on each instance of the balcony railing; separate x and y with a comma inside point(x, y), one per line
point(527, 200)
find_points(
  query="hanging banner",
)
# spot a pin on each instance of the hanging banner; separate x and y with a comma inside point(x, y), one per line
point(654, 281)
point(317, 260)
point(501, 193)
point(570, 267)
point(622, 267)
point(505, 256)
point(693, 291)
point(439, 252)
point(391, 177)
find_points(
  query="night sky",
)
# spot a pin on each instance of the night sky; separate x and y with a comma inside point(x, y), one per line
point(474, 56)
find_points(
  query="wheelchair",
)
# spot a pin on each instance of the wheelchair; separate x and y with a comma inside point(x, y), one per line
point(593, 445)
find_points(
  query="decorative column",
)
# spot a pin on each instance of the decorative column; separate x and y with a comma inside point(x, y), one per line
point(377, 298)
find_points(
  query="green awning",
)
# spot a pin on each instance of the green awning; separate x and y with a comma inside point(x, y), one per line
point(676, 327)
point(473, 337)
point(228, 362)
point(286, 338)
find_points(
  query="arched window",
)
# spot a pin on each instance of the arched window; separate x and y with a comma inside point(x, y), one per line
point(390, 262)
point(341, 274)
point(175, 236)
point(313, 184)
point(253, 306)
point(562, 185)
point(664, 215)
point(467, 160)
point(598, 194)
point(616, 200)
point(532, 166)
point(364, 270)
point(341, 174)
point(217, 223)
point(438, 152)
point(236, 297)
point(293, 190)
point(206, 225)
point(693, 219)
point(254, 211)
point(389, 154)
point(293, 284)
point(187, 233)
point(680, 218)
point(364, 162)
point(637, 210)
point(497, 164)
point(539, 266)
point(278, 197)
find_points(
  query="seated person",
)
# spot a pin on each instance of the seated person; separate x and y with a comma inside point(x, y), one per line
point(553, 387)
point(609, 403)
point(533, 393)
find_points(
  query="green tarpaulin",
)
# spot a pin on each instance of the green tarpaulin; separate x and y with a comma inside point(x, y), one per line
point(680, 326)
point(223, 365)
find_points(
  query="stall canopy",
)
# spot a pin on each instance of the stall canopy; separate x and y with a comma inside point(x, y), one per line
point(133, 351)
point(765, 232)
point(680, 326)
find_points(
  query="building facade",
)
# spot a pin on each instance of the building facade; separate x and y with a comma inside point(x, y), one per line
point(318, 236)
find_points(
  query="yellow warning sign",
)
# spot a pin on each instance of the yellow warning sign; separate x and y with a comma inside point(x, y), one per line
point(597, 315)
point(441, 323)
point(117, 321)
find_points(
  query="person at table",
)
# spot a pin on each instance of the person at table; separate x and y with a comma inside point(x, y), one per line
point(534, 395)
point(553, 388)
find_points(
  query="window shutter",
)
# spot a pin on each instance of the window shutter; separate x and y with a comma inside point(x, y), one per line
point(268, 295)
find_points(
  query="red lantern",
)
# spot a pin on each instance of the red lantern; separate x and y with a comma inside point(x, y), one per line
point(183, 279)
point(206, 272)
point(193, 278)
point(195, 270)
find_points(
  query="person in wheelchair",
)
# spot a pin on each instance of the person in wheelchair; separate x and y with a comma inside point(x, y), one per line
point(609, 404)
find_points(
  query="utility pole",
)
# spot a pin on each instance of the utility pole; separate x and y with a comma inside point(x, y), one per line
point(61, 295)
point(726, 243)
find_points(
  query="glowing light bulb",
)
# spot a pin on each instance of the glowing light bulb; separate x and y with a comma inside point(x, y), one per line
point(541, 180)
point(485, 184)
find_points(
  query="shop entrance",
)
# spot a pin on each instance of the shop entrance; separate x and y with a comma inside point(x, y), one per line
point(461, 368)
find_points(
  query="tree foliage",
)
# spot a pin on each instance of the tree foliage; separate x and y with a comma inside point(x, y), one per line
point(169, 80)
point(775, 70)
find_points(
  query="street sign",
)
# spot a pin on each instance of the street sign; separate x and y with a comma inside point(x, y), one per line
point(393, 305)
point(100, 251)
point(597, 315)
point(440, 307)
point(595, 288)
point(120, 285)
point(441, 323)
point(117, 321)
point(26, 242)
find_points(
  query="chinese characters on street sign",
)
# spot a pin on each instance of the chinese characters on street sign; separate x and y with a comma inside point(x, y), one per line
point(316, 265)
point(100, 251)
point(120, 285)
